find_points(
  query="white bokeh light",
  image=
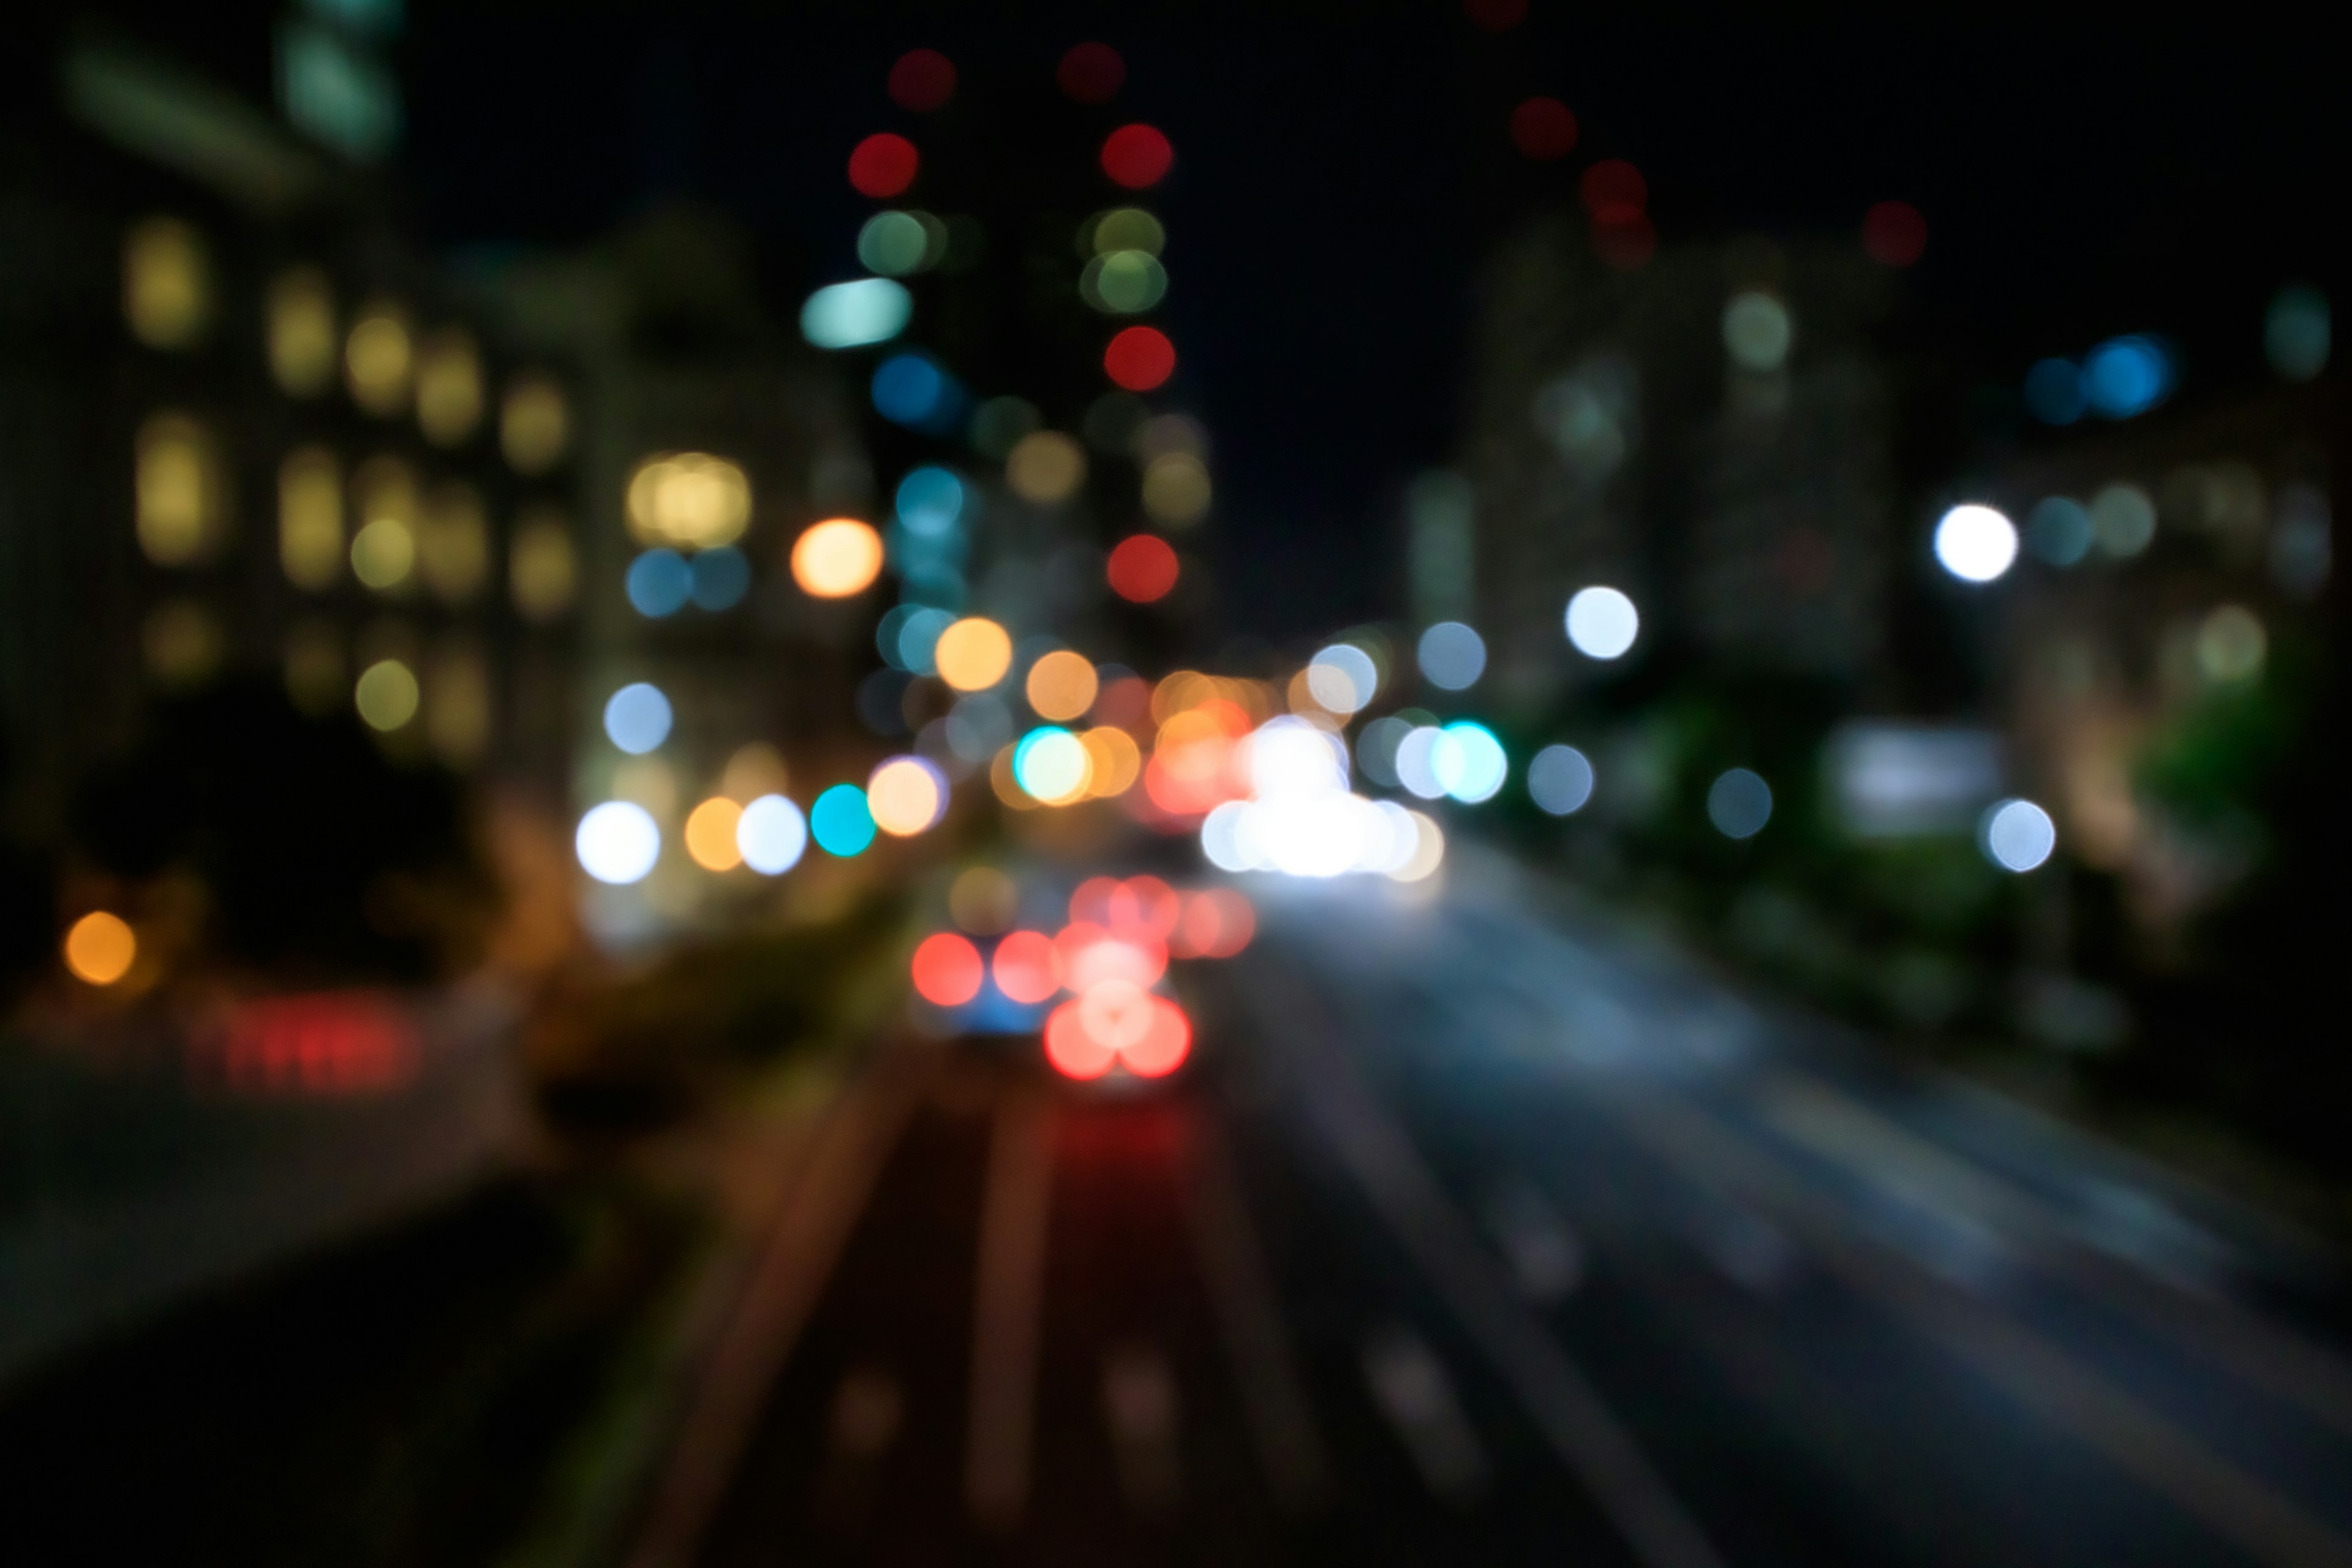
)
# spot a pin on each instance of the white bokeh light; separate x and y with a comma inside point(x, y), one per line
point(772, 834)
point(1452, 656)
point(2018, 835)
point(618, 842)
point(1559, 780)
point(1343, 678)
point(1976, 543)
point(1602, 623)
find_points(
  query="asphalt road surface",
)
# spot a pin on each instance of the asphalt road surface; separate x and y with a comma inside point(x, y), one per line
point(1478, 1231)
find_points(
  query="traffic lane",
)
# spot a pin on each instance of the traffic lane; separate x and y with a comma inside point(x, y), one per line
point(1383, 971)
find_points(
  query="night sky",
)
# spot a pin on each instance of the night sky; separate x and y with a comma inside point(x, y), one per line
point(1342, 173)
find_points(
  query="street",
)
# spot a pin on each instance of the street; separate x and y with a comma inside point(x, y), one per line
point(1479, 1231)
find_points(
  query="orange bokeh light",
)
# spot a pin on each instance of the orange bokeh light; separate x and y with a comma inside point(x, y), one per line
point(947, 970)
point(837, 558)
point(1026, 967)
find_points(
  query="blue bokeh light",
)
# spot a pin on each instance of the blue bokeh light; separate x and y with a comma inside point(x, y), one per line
point(720, 577)
point(2054, 392)
point(2125, 376)
point(840, 822)
point(850, 315)
point(658, 583)
point(913, 390)
point(637, 717)
point(930, 502)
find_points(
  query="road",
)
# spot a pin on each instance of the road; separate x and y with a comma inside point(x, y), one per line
point(1480, 1230)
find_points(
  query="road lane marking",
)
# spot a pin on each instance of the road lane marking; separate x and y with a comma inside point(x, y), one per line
point(812, 1227)
point(1546, 1258)
point(1015, 1208)
point(1558, 1397)
point(1410, 1385)
point(2238, 1507)
point(1232, 1266)
point(1141, 1408)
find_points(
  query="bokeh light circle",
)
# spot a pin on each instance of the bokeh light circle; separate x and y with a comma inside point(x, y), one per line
point(972, 654)
point(1140, 358)
point(922, 80)
point(1052, 766)
point(773, 835)
point(1559, 780)
point(1166, 1041)
point(99, 948)
point(1976, 543)
point(2016, 835)
point(659, 582)
point(1137, 156)
point(1469, 762)
point(1061, 685)
point(1739, 803)
point(711, 835)
point(385, 695)
point(1893, 233)
point(617, 842)
point(1452, 656)
point(840, 822)
point(1141, 568)
point(1602, 623)
point(947, 970)
point(1074, 1052)
point(637, 717)
point(837, 558)
point(1343, 678)
point(1543, 128)
point(906, 795)
point(1091, 73)
point(1026, 967)
point(882, 165)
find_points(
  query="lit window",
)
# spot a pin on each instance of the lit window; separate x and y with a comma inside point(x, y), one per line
point(301, 324)
point(181, 501)
point(310, 517)
point(542, 570)
point(448, 386)
point(166, 284)
point(688, 499)
point(534, 426)
point(453, 543)
point(378, 361)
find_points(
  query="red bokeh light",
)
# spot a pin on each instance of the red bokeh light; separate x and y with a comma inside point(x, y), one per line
point(1625, 242)
point(1543, 128)
point(1140, 358)
point(1141, 569)
point(882, 165)
point(1613, 191)
point(1089, 955)
point(1150, 904)
point(1091, 73)
point(329, 1044)
point(1074, 1052)
point(1893, 233)
point(1093, 901)
point(922, 79)
point(1137, 156)
point(1216, 924)
point(947, 970)
point(1027, 968)
point(1496, 15)
point(1166, 1042)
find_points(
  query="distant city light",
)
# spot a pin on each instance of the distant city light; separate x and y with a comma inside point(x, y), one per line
point(922, 80)
point(711, 834)
point(1543, 129)
point(1137, 156)
point(637, 717)
point(1052, 766)
point(1343, 678)
point(2018, 836)
point(2054, 391)
point(534, 423)
point(1602, 623)
point(1452, 656)
point(882, 165)
point(718, 578)
point(691, 500)
point(2123, 520)
point(2058, 530)
point(1123, 282)
point(1739, 803)
point(1139, 359)
point(947, 970)
point(773, 835)
point(1091, 73)
point(1559, 780)
point(1121, 228)
point(906, 795)
point(658, 583)
point(2230, 644)
point(1468, 761)
point(99, 948)
point(1025, 967)
point(1061, 685)
point(1046, 467)
point(618, 842)
point(840, 822)
point(1757, 330)
point(931, 502)
point(837, 558)
point(853, 315)
point(2127, 375)
point(1976, 543)
point(1376, 748)
point(2298, 332)
point(1141, 568)
point(910, 389)
point(973, 654)
point(896, 244)
point(1176, 489)
point(1416, 761)
point(385, 695)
